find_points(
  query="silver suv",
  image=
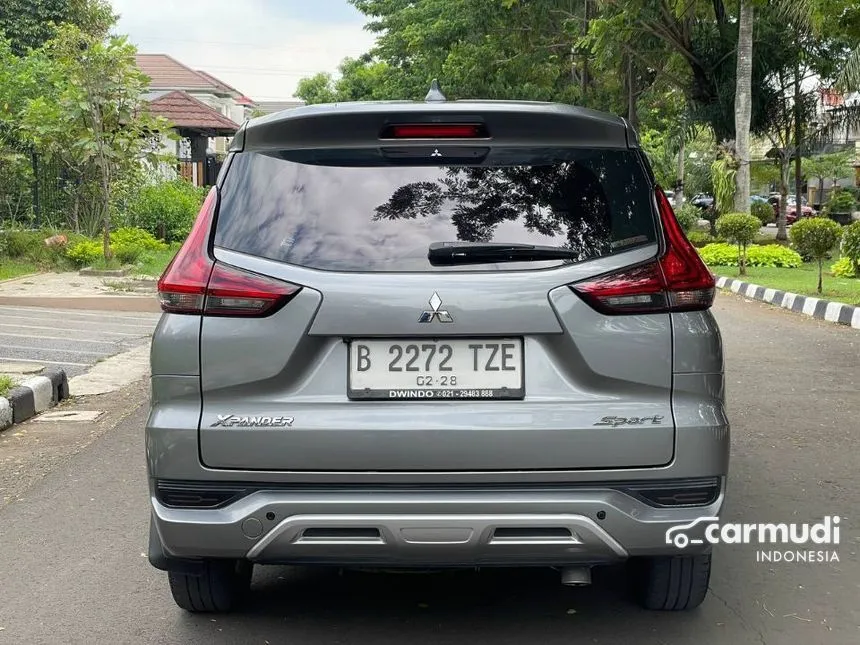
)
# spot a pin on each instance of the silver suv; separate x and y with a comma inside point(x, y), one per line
point(436, 334)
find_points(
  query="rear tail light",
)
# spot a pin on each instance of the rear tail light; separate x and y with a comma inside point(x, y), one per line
point(677, 281)
point(194, 283)
point(435, 131)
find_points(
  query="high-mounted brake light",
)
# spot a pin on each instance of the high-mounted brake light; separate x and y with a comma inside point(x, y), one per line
point(194, 283)
point(435, 131)
point(677, 281)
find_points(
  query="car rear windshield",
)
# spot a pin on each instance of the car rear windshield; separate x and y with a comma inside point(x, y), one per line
point(366, 212)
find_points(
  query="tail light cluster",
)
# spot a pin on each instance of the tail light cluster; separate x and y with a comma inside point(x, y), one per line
point(195, 283)
point(676, 281)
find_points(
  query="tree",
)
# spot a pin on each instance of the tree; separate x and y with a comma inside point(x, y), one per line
point(318, 88)
point(743, 106)
point(28, 24)
point(88, 113)
point(833, 166)
point(740, 228)
point(814, 237)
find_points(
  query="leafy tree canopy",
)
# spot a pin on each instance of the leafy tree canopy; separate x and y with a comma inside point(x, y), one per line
point(28, 24)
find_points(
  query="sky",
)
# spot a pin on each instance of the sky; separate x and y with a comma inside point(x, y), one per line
point(260, 47)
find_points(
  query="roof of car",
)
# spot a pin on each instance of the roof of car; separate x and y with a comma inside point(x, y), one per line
point(352, 124)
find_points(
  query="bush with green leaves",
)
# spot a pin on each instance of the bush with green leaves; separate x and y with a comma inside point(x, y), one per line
point(841, 201)
point(131, 236)
point(772, 255)
point(29, 245)
point(762, 211)
point(701, 238)
point(688, 216)
point(740, 228)
point(814, 237)
point(719, 254)
point(128, 245)
point(167, 210)
point(850, 245)
point(85, 252)
point(844, 268)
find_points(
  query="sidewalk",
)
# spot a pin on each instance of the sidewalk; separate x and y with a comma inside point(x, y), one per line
point(73, 291)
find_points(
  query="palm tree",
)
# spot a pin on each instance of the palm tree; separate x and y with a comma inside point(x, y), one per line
point(849, 78)
point(743, 106)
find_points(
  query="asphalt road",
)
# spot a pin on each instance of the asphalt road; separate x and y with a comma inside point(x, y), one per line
point(72, 568)
point(72, 339)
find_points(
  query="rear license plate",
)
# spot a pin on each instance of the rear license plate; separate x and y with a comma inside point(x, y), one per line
point(436, 369)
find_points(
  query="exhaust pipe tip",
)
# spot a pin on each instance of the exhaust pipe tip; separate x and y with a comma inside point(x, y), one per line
point(576, 576)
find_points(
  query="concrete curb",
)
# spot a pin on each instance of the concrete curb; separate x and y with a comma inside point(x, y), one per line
point(34, 395)
point(831, 311)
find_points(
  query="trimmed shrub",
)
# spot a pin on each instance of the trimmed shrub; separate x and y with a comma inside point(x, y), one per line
point(701, 238)
point(844, 268)
point(85, 252)
point(741, 229)
point(762, 211)
point(167, 210)
point(688, 216)
point(772, 255)
point(815, 236)
point(841, 201)
point(850, 245)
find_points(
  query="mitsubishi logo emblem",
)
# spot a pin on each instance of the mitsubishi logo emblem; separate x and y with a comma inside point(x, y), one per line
point(436, 153)
point(442, 315)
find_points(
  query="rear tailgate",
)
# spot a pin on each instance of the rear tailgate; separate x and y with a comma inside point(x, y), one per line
point(337, 380)
point(583, 373)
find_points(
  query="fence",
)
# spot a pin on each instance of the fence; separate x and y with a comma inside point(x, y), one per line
point(35, 190)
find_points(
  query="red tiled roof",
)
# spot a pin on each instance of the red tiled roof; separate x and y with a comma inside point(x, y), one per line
point(185, 111)
point(167, 73)
point(217, 82)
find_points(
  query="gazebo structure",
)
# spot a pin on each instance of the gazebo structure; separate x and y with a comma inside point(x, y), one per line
point(194, 122)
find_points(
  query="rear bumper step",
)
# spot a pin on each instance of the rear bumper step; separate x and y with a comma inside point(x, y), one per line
point(421, 527)
point(436, 538)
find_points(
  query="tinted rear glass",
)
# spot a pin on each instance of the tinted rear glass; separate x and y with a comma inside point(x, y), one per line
point(381, 216)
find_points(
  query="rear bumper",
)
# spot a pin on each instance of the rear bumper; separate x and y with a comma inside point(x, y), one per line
point(427, 528)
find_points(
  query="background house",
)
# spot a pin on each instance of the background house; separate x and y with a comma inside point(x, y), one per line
point(270, 107)
point(205, 111)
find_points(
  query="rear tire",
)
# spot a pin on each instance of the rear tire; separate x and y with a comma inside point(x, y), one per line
point(672, 583)
point(220, 586)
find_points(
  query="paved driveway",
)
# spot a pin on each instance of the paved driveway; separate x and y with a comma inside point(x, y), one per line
point(72, 565)
point(72, 339)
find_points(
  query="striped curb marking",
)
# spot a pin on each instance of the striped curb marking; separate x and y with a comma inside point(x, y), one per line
point(34, 395)
point(836, 312)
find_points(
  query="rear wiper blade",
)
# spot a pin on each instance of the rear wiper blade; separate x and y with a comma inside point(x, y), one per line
point(450, 253)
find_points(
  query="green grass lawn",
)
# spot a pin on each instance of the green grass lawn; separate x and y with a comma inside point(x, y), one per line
point(14, 268)
point(154, 262)
point(802, 280)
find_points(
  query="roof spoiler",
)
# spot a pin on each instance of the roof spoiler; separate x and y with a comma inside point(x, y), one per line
point(360, 125)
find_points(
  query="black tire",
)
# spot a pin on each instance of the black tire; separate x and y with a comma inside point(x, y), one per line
point(672, 583)
point(220, 586)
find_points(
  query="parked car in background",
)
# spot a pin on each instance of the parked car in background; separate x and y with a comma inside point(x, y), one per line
point(702, 201)
point(790, 207)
